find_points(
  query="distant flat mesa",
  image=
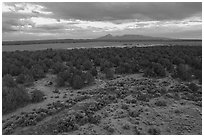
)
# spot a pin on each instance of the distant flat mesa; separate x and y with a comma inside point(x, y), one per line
point(131, 37)
point(106, 38)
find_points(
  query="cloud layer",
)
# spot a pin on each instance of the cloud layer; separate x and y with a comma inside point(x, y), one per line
point(23, 21)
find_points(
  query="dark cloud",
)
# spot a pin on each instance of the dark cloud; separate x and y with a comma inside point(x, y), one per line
point(51, 27)
point(71, 18)
point(8, 28)
point(120, 11)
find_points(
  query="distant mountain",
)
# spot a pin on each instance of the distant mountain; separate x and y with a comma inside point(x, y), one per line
point(130, 37)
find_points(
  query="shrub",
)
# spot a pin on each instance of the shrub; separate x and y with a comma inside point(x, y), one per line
point(109, 129)
point(125, 68)
point(20, 79)
point(134, 113)
point(155, 69)
point(193, 87)
point(125, 106)
point(77, 82)
point(8, 81)
point(66, 124)
point(177, 61)
point(95, 119)
point(136, 130)
point(88, 78)
point(87, 65)
point(94, 71)
point(162, 91)
point(198, 75)
point(160, 103)
point(60, 81)
point(159, 69)
point(149, 73)
point(13, 98)
point(154, 131)
point(143, 97)
point(37, 96)
point(37, 72)
point(109, 73)
point(28, 81)
point(126, 126)
point(183, 72)
point(57, 67)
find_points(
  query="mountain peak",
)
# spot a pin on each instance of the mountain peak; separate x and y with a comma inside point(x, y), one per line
point(109, 35)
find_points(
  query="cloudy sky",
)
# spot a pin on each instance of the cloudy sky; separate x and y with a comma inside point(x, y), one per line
point(28, 21)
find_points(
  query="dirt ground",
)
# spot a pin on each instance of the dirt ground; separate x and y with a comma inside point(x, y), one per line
point(126, 105)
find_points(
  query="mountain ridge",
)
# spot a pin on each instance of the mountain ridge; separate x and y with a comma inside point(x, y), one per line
point(131, 37)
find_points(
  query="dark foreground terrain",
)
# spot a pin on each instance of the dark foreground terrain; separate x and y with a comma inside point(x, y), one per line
point(147, 90)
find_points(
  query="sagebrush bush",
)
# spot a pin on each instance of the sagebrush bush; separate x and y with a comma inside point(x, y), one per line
point(160, 103)
point(13, 98)
point(77, 82)
point(154, 131)
point(37, 96)
point(193, 87)
point(8, 81)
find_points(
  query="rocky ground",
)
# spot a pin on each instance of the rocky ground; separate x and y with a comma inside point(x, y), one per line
point(126, 105)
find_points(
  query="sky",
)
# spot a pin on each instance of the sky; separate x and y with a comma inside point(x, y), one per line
point(85, 20)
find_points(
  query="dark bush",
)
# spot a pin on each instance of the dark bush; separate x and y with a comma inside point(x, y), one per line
point(37, 72)
point(20, 79)
point(126, 126)
point(154, 131)
point(88, 78)
point(193, 87)
point(109, 128)
point(13, 98)
point(160, 103)
point(94, 71)
point(37, 96)
point(134, 113)
point(8, 81)
point(109, 73)
point(60, 81)
point(57, 67)
point(183, 72)
point(77, 82)
point(87, 65)
point(95, 119)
